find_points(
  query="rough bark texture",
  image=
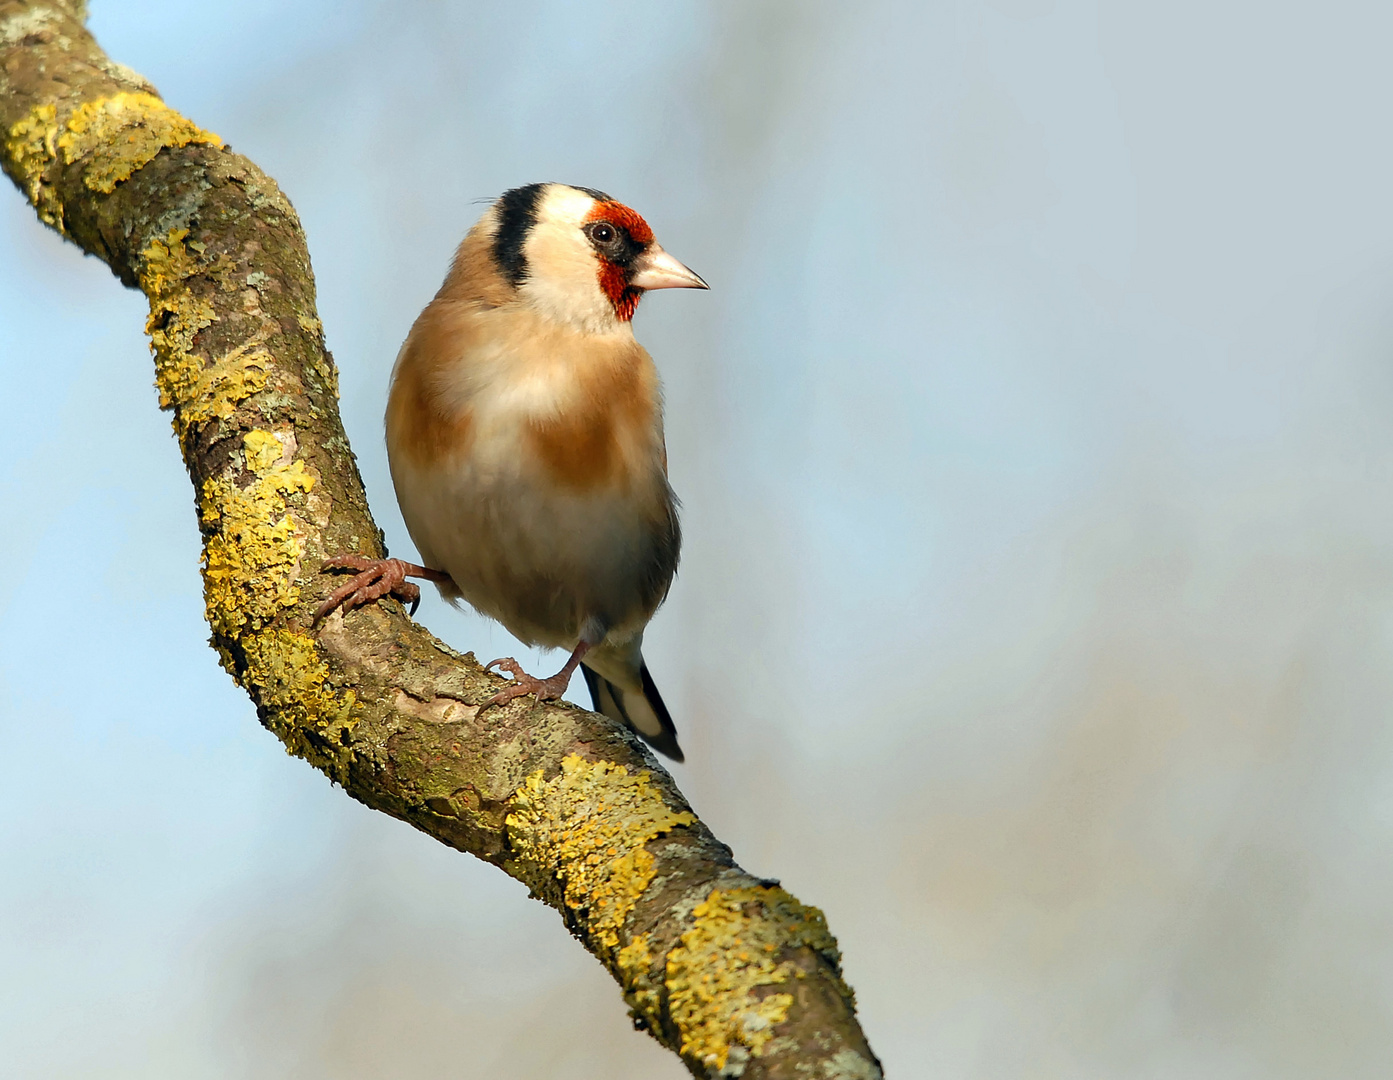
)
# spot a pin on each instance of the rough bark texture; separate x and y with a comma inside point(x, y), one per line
point(729, 971)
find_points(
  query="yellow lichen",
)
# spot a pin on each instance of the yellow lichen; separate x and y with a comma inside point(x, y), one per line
point(253, 550)
point(166, 264)
point(730, 952)
point(198, 392)
point(288, 676)
point(31, 146)
point(176, 317)
point(122, 133)
point(634, 963)
point(586, 828)
point(219, 388)
point(118, 135)
point(262, 450)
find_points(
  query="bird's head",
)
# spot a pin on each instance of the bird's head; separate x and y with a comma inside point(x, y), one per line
point(577, 255)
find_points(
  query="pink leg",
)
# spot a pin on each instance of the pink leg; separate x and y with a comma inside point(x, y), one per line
point(375, 579)
point(545, 689)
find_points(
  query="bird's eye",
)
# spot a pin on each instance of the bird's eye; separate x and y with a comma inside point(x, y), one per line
point(603, 233)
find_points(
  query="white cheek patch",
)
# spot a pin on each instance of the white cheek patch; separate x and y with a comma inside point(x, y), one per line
point(563, 271)
point(573, 302)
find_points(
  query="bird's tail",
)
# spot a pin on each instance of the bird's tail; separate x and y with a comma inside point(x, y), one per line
point(625, 692)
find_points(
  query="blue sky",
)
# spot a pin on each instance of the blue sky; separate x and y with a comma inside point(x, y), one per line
point(1034, 442)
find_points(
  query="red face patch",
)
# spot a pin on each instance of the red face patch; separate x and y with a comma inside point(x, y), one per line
point(626, 219)
point(615, 284)
point(614, 279)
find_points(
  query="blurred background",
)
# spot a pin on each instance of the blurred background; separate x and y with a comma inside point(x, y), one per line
point(1036, 612)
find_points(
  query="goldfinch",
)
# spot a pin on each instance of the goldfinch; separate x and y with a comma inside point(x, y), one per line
point(525, 438)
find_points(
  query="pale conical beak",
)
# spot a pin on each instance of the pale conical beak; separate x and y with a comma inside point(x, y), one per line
point(656, 269)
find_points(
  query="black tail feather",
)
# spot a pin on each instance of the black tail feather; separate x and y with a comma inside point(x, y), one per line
point(609, 699)
point(666, 743)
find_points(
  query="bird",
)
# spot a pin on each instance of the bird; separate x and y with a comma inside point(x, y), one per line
point(525, 442)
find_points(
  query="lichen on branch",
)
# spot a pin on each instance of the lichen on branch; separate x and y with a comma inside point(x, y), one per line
point(112, 137)
point(586, 830)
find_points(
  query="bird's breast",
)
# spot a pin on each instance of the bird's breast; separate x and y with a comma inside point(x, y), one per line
point(577, 411)
point(602, 435)
point(530, 467)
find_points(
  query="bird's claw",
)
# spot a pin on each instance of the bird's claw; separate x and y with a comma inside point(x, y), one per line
point(375, 578)
point(546, 689)
point(508, 664)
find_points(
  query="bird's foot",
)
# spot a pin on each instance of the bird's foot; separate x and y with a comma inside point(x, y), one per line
point(375, 578)
point(549, 689)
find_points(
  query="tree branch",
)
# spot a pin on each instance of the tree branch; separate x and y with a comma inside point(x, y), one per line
point(727, 970)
